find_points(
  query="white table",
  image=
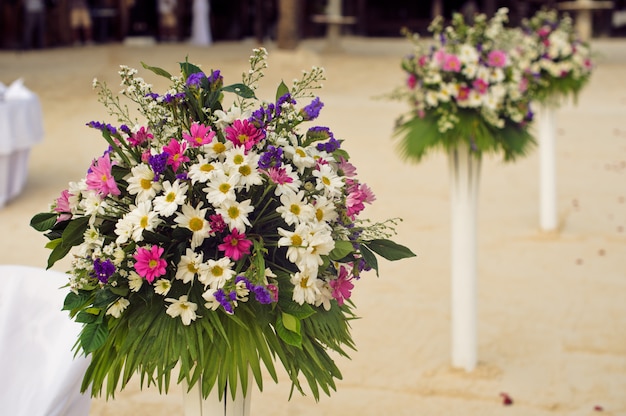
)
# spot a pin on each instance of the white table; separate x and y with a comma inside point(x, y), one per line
point(21, 127)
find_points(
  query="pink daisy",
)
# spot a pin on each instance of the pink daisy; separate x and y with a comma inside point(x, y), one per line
point(244, 133)
point(411, 81)
point(451, 63)
point(63, 206)
point(235, 245)
point(199, 135)
point(149, 264)
point(100, 178)
point(480, 85)
point(140, 137)
point(342, 286)
point(497, 59)
point(176, 154)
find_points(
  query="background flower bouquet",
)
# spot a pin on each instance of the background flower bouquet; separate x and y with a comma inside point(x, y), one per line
point(559, 62)
point(214, 240)
point(465, 85)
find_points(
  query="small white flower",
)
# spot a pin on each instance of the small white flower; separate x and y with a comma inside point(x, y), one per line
point(189, 266)
point(221, 188)
point(194, 219)
point(294, 210)
point(134, 281)
point(117, 307)
point(141, 183)
point(183, 308)
point(305, 287)
point(235, 214)
point(162, 286)
point(203, 170)
point(174, 195)
point(328, 181)
point(218, 272)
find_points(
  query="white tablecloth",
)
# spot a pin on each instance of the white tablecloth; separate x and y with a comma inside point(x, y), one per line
point(21, 127)
point(39, 375)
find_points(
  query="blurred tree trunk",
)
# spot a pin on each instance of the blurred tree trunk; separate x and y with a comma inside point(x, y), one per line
point(287, 36)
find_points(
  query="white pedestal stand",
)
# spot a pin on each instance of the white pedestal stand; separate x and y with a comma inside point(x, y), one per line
point(195, 405)
point(200, 23)
point(464, 179)
point(547, 170)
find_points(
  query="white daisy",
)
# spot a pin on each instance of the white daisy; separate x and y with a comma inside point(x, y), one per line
point(162, 286)
point(203, 170)
point(296, 242)
point(141, 182)
point(328, 181)
point(142, 218)
point(325, 210)
point(305, 287)
point(235, 214)
point(194, 219)
point(134, 281)
point(117, 307)
point(221, 188)
point(300, 158)
point(294, 210)
point(218, 272)
point(173, 196)
point(190, 265)
point(211, 302)
point(183, 308)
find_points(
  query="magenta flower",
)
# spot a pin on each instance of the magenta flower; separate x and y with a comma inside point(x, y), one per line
point(63, 206)
point(244, 133)
point(279, 175)
point(199, 135)
point(235, 245)
point(176, 154)
point(439, 57)
point(348, 169)
point(497, 59)
point(411, 81)
point(463, 94)
point(480, 85)
point(358, 195)
point(100, 179)
point(140, 137)
point(342, 286)
point(451, 63)
point(149, 264)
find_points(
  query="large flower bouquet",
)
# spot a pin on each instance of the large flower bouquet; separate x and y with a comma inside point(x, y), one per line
point(214, 239)
point(465, 85)
point(560, 63)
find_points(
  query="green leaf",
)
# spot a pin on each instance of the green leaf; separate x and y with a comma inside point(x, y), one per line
point(93, 336)
point(188, 68)
point(282, 90)
point(157, 71)
point(291, 322)
point(289, 337)
point(75, 300)
point(85, 317)
point(341, 250)
point(241, 90)
point(388, 249)
point(53, 243)
point(43, 221)
point(369, 258)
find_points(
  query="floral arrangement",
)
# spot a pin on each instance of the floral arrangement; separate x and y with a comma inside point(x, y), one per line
point(465, 85)
point(215, 239)
point(559, 61)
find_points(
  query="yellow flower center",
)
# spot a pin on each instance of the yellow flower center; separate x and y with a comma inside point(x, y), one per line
point(295, 209)
point(319, 214)
point(296, 240)
point(224, 187)
point(170, 197)
point(143, 223)
point(192, 268)
point(325, 180)
point(304, 282)
point(145, 184)
point(233, 212)
point(207, 167)
point(245, 170)
point(238, 159)
point(217, 271)
point(300, 152)
point(152, 263)
point(242, 138)
point(196, 224)
point(104, 178)
point(219, 147)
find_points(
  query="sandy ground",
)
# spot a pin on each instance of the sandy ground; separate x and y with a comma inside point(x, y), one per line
point(552, 307)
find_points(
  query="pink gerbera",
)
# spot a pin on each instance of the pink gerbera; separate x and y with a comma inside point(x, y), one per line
point(451, 63)
point(244, 133)
point(411, 81)
point(199, 135)
point(235, 245)
point(140, 137)
point(176, 154)
point(63, 206)
point(149, 264)
point(342, 286)
point(480, 85)
point(358, 195)
point(100, 179)
point(497, 59)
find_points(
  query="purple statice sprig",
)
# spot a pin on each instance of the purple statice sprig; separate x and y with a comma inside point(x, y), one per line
point(103, 270)
point(271, 158)
point(312, 111)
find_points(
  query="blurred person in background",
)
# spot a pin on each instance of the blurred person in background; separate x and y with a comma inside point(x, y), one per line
point(80, 22)
point(168, 23)
point(34, 24)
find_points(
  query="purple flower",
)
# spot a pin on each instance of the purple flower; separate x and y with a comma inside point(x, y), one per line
point(312, 111)
point(152, 95)
point(330, 146)
point(195, 79)
point(272, 158)
point(215, 77)
point(158, 163)
point(224, 300)
point(262, 295)
point(126, 129)
point(103, 270)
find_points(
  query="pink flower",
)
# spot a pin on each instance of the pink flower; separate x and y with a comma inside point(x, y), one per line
point(244, 133)
point(199, 135)
point(497, 59)
point(279, 175)
point(176, 154)
point(273, 289)
point(141, 136)
point(411, 81)
point(358, 195)
point(423, 60)
point(348, 169)
point(342, 286)
point(100, 179)
point(63, 206)
point(451, 63)
point(463, 93)
point(439, 57)
point(235, 245)
point(480, 85)
point(149, 264)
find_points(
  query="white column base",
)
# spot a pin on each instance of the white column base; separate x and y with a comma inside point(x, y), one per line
point(195, 405)
point(547, 169)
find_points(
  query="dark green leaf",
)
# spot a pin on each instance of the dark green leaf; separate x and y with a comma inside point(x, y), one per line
point(75, 300)
point(157, 71)
point(341, 250)
point(282, 90)
point(388, 249)
point(241, 90)
point(93, 336)
point(85, 317)
point(370, 258)
point(43, 221)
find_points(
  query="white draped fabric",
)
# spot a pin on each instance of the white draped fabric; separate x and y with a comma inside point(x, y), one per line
point(40, 375)
point(200, 23)
point(21, 127)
